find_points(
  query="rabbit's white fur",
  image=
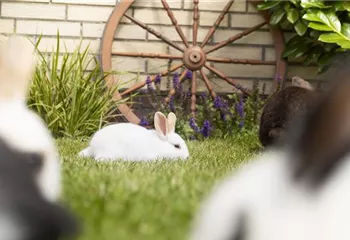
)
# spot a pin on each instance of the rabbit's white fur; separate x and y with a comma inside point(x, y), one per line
point(132, 142)
point(21, 128)
point(274, 206)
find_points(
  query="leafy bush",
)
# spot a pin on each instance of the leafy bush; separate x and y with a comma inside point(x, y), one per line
point(70, 97)
point(322, 27)
point(219, 117)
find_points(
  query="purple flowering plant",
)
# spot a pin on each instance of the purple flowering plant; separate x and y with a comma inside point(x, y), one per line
point(215, 117)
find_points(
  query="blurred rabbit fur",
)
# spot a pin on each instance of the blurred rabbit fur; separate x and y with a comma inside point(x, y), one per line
point(29, 162)
point(281, 109)
point(131, 142)
point(297, 189)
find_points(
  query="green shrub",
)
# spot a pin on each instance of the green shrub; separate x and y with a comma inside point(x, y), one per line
point(322, 27)
point(71, 97)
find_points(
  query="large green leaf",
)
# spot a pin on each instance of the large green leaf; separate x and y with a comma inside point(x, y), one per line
point(346, 5)
point(330, 18)
point(300, 27)
point(330, 38)
point(319, 26)
point(292, 15)
point(345, 30)
point(344, 44)
point(277, 16)
point(314, 4)
point(267, 5)
point(311, 15)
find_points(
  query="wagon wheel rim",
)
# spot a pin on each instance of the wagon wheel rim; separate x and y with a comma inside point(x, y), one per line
point(193, 56)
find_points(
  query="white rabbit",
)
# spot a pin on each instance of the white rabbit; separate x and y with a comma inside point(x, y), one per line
point(21, 128)
point(29, 161)
point(296, 190)
point(132, 142)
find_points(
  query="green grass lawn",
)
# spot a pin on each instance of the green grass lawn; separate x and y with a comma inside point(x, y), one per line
point(124, 200)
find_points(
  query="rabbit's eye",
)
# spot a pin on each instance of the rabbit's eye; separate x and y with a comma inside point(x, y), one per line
point(177, 146)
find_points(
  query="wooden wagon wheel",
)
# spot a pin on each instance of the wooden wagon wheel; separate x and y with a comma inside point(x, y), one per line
point(193, 56)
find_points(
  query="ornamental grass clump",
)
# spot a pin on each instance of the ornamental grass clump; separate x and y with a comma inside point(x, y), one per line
point(68, 91)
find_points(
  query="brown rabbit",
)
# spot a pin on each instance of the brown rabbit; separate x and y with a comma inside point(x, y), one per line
point(281, 108)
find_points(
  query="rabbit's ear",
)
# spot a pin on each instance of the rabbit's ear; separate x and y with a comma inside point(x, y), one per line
point(299, 82)
point(160, 124)
point(171, 122)
point(321, 140)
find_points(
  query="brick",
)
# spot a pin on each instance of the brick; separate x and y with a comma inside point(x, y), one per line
point(48, 28)
point(211, 5)
point(34, 11)
point(270, 54)
point(170, 32)
point(48, 44)
point(151, 16)
point(47, 1)
point(158, 65)
point(127, 31)
point(7, 25)
point(247, 20)
point(266, 86)
point(257, 37)
point(249, 71)
point(133, 46)
point(221, 86)
point(93, 29)
point(94, 2)
point(252, 8)
point(128, 64)
point(307, 73)
point(91, 13)
point(238, 52)
point(173, 4)
point(126, 80)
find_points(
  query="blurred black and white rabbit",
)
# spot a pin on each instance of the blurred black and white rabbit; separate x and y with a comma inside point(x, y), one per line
point(29, 162)
point(298, 189)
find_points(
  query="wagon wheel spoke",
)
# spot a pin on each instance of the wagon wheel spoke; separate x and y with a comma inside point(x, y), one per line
point(174, 21)
point(217, 23)
point(193, 93)
point(155, 33)
point(207, 84)
point(173, 91)
point(143, 83)
point(147, 55)
point(227, 79)
point(234, 38)
point(240, 61)
point(195, 21)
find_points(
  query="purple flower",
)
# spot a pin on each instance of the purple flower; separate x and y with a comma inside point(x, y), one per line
point(189, 74)
point(204, 95)
point(158, 79)
point(193, 125)
point(188, 93)
point(223, 116)
point(149, 84)
point(143, 122)
point(278, 78)
point(240, 107)
point(172, 104)
point(176, 83)
point(217, 102)
point(206, 128)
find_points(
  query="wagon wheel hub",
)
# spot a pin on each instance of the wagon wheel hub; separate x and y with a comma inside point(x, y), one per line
point(194, 58)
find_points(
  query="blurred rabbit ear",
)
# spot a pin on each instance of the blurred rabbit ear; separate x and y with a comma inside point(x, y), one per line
point(160, 124)
point(299, 82)
point(171, 122)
